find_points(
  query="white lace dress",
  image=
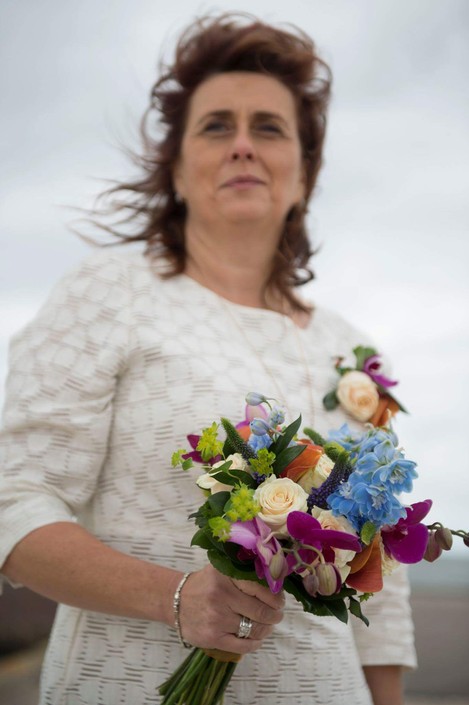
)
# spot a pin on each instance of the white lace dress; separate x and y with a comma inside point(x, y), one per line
point(104, 385)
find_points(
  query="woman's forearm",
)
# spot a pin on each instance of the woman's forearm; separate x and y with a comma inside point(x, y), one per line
point(66, 563)
point(385, 684)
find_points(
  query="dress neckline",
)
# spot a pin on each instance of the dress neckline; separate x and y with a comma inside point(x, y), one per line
point(243, 309)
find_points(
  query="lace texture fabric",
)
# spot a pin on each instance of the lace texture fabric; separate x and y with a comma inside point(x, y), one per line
point(107, 381)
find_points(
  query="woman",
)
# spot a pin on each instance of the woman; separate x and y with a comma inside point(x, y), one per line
point(132, 352)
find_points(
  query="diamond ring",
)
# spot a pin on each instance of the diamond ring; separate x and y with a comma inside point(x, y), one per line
point(245, 627)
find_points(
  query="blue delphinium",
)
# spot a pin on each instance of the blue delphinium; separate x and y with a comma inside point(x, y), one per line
point(380, 473)
point(374, 437)
point(361, 502)
point(348, 439)
point(385, 465)
point(276, 417)
point(258, 442)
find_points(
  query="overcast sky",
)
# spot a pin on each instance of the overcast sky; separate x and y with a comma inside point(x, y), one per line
point(391, 213)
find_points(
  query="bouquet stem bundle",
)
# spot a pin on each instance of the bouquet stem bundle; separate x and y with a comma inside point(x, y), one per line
point(201, 679)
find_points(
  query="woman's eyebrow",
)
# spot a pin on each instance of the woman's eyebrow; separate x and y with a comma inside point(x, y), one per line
point(258, 115)
point(222, 114)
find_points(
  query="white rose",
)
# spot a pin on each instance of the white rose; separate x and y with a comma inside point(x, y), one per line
point(315, 477)
point(278, 496)
point(208, 482)
point(388, 563)
point(358, 394)
point(329, 521)
point(237, 462)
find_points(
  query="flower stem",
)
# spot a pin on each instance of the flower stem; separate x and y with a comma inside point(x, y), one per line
point(456, 532)
point(200, 680)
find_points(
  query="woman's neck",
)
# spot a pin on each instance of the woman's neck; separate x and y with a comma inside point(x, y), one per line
point(234, 263)
point(238, 269)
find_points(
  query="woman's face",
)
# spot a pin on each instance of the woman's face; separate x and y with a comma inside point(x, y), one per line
point(240, 156)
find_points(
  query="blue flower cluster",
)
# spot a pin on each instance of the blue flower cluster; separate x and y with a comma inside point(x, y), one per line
point(380, 473)
point(261, 429)
point(257, 442)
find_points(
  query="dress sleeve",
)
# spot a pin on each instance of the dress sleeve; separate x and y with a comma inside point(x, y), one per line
point(59, 396)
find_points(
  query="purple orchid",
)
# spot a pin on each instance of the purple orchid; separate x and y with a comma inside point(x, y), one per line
point(269, 561)
point(372, 367)
point(407, 540)
point(196, 455)
point(308, 530)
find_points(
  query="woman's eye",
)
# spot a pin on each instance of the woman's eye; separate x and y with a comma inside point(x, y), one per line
point(270, 127)
point(216, 126)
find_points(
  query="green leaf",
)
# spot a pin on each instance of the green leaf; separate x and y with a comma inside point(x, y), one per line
point(217, 503)
point(365, 596)
point(330, 401)
point(288, 434)
point(314, 436)
point(286, 457)
point(187, 464)
point(235, 477)
point(294, 586)
point(224, 565)
point(202, 538)
point(338, 608)
point(176, 458)
point(345, 591)
point(368, 532)
point(361, 354)
point(213, 507)
point(225, 477)
point(343, 370)
point(356, 609)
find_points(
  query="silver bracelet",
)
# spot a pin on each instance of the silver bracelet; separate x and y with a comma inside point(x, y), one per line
point(176, 606)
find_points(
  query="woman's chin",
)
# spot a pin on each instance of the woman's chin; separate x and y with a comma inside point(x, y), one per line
point(248, 213)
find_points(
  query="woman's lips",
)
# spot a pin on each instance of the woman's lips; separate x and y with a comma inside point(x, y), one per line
point(242, 182)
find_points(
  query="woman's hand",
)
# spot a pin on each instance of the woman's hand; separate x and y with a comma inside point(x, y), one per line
point(212, 605)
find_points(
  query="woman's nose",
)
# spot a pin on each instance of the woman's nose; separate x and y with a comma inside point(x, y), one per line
point(242, 147)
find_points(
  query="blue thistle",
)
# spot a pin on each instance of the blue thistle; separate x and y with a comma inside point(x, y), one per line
point(340, 473)
point(259, 477)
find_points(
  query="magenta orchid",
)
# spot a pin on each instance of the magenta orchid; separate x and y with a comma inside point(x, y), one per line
point(407, 540)
point(309, 532)
point(372, 367)
point(269, 562)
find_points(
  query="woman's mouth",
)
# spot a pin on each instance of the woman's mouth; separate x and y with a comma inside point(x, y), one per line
point(243, 182)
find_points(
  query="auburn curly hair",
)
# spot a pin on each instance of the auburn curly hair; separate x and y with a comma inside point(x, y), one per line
point(211, 45)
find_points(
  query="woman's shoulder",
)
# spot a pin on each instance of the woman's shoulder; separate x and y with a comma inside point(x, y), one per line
point(327, 318)
point(110, 263)
point(330, 328)
point(117, 268)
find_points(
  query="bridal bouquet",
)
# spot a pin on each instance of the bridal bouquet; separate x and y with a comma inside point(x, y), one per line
point(319, 518)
